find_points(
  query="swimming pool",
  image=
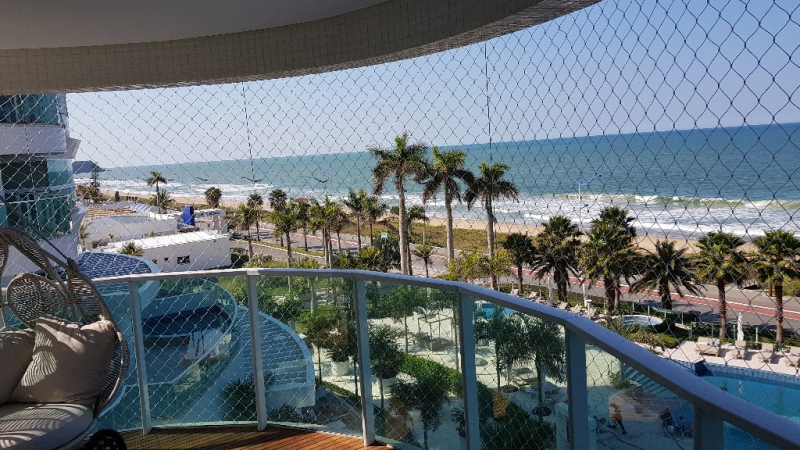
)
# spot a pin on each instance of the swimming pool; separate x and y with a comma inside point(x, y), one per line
point(642, 320)
point(488, 310)
point(184, 323)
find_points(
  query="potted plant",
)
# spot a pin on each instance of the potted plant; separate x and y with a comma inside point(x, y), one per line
point(340, 360)
point(385, 356)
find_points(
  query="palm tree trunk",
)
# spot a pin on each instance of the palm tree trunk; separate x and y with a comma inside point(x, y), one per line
point(338, 241)
point(448, 208)
point(723, 311)
point(289, 248)
point(561, 282)
point(249, 243)
point(617, 291)
point(305, 238)
point(258, 229)
point(427, 275)
point(358, 232)
point(609, 297)
point(779, 313)
point(666, 299)
point(519, 278)
point(410, 261)
point(370, 233)
point(401, 196)
point(490, 236)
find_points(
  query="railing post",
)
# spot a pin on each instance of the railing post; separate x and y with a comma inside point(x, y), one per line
point(708, 431)
point(255, 342)
point(469, 377)
point(138, 348)
point(577, 394)
point(365, 372)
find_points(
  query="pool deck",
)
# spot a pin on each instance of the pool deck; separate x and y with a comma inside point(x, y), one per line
point(687, 351)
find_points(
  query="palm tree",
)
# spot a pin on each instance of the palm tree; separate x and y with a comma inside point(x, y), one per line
point(424, 252)
point(256, 201)
point(557, 246)
point(427, 394)
point(324, 217)
point(130, 248)
point(776, 263)
point(153, 180)
point(277, 200)
point(444, 173)
point(213, 196)
point(357, 202)
point(667, 270)
point(488, 187)
point(520, 247)
point(162, 200)
point(340, 221)
point(374, 210)
point(608, 253)
point(720, 262)
point(400, 162)
point(286, 221)
point(304, 219)
point(548, 349)
point(246, 217)
point(508, 335)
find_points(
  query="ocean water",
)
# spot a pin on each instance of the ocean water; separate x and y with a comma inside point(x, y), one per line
point(679, 183)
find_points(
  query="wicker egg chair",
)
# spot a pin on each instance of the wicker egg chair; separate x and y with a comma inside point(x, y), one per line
point(63, 291)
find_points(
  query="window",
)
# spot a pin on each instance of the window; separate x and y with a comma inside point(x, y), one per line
point(183, 260)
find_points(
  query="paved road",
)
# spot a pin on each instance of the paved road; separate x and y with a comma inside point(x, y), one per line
point(755, 306)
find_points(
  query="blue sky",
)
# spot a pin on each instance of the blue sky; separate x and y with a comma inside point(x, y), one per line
point(616, 67)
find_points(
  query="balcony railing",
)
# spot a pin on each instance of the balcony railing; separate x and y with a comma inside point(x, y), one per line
point(647, 403)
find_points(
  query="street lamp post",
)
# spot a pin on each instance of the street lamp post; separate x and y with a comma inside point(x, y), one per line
point(581, 184)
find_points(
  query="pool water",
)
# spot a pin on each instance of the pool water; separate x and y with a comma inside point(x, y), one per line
point(642, 320)
point(185, 322)
point(488, 310)
point(782, 399)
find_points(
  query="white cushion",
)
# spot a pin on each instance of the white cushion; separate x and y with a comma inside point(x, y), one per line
point(25, 426)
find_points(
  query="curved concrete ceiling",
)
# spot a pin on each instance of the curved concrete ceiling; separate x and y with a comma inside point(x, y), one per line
point(170, 44)
point(56, 23)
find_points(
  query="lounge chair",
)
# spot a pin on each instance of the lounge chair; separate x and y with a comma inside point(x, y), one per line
point(793, 357)
point(706, 346)
point(740, 350)
point(563, 306)
point(766, 353)
point(592, 313)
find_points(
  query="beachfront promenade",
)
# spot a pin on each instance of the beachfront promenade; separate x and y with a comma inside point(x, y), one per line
point(756, 307)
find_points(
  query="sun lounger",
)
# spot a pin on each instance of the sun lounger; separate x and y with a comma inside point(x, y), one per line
point(705, 346)
point(563, 306)
point(740, 350)
point(793, 357)
point(766, 353)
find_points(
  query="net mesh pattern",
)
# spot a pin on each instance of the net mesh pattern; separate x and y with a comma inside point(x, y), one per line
point(634, 163)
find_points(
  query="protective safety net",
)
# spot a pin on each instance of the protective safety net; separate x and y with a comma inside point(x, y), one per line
point(636, 163)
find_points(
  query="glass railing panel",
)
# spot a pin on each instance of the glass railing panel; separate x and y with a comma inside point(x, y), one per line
point(195, 337)
point(738, 439)
point(417, 387)
point(310, 352)
point(628, 409)
point(521, 363)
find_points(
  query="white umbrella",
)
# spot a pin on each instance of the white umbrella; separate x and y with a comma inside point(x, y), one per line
point(739, 328)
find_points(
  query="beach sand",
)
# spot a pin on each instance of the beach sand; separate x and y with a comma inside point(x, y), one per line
point(646, 242)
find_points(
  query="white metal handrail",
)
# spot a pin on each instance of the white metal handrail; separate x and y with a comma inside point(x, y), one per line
point(712, 406)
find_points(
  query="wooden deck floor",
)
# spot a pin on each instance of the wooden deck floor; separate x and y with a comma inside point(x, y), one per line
point(239, 438)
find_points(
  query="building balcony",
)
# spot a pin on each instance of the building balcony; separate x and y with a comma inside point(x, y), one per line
point(406, 361)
